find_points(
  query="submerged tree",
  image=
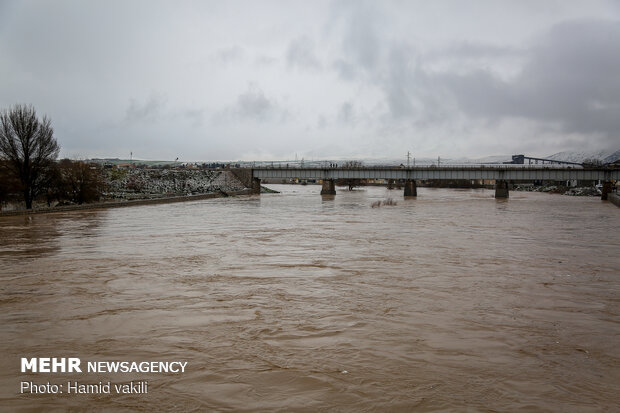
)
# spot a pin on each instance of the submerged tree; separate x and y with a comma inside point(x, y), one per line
point(80, 181)
point(351, 182)
point(9, 185)
point(28, 146)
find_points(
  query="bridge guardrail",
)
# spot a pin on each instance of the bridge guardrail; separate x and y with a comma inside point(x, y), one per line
point(417, 167)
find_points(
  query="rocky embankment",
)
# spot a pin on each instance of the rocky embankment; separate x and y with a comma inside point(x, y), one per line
point(156, 183)
point(125, 187)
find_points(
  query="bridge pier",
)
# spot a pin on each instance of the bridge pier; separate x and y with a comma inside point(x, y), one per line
point(410, 188)
point(329, 187)
point(606, 190)
point(390, 184)
point(501, 188)
point(255, 185)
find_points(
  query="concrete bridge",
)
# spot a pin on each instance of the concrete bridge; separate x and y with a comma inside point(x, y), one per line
point(501, 174)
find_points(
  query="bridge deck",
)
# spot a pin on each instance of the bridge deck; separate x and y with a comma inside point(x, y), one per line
point(498, 172)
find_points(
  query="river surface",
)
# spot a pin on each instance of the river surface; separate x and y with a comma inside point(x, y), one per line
point(452, 301)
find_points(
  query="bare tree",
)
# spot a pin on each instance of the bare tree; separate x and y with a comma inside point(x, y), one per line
point(28, 146)
point(353, 182)
point(82, 181)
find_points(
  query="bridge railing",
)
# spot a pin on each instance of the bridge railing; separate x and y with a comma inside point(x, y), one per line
point(418, 167)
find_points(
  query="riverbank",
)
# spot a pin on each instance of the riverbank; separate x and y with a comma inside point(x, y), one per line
point(124, 203)
point(128, 187)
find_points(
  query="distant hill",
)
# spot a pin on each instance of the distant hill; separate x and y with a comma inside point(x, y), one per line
point(575, 156)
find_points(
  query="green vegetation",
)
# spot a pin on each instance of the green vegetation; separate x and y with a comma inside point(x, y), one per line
point(117, 174)
point(266, 190)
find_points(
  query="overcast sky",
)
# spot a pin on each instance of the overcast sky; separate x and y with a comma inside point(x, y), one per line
point(265, 80)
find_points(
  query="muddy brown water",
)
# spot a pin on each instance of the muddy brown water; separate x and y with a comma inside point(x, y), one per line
point(452, 301)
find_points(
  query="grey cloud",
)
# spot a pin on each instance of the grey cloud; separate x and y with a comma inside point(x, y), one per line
point(470, 50)
point(361, 25)
point(253, 104)
point(300, 53)
point(442, 71)
point(400, 73)
point(567, 78)
point(347, 113)
point(570, 77)
point(346, 70)
point(264, 60)
point(230, 54)
point(412, 94)
point(195, 116)
point(149, 110)
point(479, 93)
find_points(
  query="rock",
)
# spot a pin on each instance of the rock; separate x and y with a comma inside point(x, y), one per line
point(153, 183)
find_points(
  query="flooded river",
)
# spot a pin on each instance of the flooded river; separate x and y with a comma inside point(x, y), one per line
point(452, 301)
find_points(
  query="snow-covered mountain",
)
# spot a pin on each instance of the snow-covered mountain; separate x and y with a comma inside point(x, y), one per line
point(577, 156)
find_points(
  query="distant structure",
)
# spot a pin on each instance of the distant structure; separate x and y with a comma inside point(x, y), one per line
point(520, 160)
